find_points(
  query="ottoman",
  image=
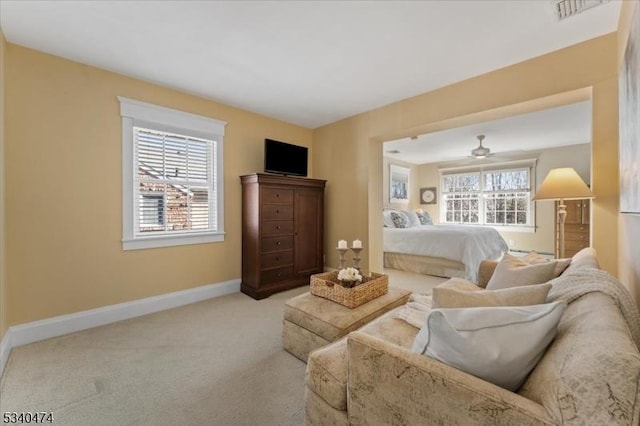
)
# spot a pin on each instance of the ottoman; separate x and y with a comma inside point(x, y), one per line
point(311, 322)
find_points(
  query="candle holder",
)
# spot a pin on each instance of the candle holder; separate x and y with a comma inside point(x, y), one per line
point(356, 258)
point(341, 252)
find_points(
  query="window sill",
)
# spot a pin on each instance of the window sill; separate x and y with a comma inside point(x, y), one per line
point(157, 241)
point(512, 228)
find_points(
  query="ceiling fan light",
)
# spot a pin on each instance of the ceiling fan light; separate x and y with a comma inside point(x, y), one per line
point(480, 151)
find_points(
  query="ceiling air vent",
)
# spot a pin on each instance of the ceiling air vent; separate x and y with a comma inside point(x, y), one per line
point(567, 8)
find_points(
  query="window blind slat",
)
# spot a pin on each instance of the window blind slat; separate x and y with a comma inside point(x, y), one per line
point(175, 182)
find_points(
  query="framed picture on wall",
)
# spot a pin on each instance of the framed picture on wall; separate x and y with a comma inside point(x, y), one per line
point(428, 195)
point(398, 184)
point(629, 120)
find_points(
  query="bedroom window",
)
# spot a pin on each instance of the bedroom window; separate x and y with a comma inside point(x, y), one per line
point(498, 198)
point(172, 177)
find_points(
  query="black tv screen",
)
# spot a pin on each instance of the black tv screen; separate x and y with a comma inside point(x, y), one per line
point(285, 158)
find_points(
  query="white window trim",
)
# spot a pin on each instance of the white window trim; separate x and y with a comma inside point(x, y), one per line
point(503, 166)
point(142, 114)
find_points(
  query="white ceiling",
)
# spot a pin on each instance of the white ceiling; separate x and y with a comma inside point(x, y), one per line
point(305, 62)
point(507, 137)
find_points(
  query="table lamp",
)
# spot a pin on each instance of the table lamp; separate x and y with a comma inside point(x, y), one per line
point(562, 184)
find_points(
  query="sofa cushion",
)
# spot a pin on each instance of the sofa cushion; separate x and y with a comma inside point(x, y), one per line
point(534, 258)
point(326, 374)
point(512, 271)
point(590, 374)
point(585, 258)
point(516, 296)
point(498, 344)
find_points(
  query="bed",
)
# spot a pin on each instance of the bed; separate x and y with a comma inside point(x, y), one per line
point(442, 250)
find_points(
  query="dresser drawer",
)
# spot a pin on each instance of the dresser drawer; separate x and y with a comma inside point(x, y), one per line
point(276, 212)
point(278, 259)
point(276, 244)
point(576, 228)
point(575, 245)
point(273, 275)
point(272, 228)
point(277, 196)
point(576, 236)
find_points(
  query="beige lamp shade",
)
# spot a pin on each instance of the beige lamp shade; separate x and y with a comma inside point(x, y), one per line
point(563, 184)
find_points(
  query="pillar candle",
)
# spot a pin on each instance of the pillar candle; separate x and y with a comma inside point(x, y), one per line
point(357, 244)
point(342, 244)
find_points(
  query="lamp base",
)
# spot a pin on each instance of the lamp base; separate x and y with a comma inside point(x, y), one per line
point(562, 215)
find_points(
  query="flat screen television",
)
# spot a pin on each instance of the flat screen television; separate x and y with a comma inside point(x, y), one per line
point(285, 158)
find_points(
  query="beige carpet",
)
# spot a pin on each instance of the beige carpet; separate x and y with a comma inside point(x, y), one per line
point(217, 362)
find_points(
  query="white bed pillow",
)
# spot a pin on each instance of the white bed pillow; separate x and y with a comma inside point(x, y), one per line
point(386, 219)
point(412, 218)
point(513, 271)
point(498, 344)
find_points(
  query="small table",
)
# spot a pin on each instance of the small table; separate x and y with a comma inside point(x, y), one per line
point(311, 322)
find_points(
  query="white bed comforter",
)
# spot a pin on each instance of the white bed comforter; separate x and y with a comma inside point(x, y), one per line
point(466, 244)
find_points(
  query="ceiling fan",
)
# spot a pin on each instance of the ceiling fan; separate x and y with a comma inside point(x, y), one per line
point(480, 151)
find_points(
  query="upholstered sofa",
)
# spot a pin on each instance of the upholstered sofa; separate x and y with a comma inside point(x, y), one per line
point(589, 374)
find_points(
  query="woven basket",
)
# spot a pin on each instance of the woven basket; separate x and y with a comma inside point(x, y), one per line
point(328, 286)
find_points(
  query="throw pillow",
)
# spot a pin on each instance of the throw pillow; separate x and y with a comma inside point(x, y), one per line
point(517, 296)
point(532, 257)
point(498, 344)
point(459, 284)
point(386, 219)
point(513, 271)
point(424, 217)
point(412, 218)
point(399, 219)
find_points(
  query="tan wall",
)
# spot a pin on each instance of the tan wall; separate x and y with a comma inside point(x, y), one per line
point(542, 240)
point(3, 287)
point(629, 225)
point(64, 197)
point(520, 87)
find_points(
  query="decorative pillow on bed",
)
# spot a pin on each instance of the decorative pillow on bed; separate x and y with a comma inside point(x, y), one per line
point(412, 218)
point(424, 217)
point(399, 219)
point(498, 344)
point(386, 218)
point(525, 295)
point(513, 271)
point(534, 258)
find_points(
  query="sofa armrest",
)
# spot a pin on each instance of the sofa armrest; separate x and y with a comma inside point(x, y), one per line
point(389, 384)
point(485, 271)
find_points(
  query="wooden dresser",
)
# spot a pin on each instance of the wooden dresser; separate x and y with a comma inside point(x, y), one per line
point(576, 227)
point(282, 232)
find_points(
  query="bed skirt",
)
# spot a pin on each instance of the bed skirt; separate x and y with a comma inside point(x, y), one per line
point(436, 266)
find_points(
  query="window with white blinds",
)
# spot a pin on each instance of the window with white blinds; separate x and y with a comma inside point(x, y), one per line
point(498, 197)
point(172, 179)
point(175, 182)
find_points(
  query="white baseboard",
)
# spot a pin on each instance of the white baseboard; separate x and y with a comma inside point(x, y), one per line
point(57, 326)
point(5, 350)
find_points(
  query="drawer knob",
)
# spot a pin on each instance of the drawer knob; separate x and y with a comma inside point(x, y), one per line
point(278, 274)
point(277, 226)
point(581, 237)
point(277, 195)
point(277, 259)
point(277, 211)
point(277, 243)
